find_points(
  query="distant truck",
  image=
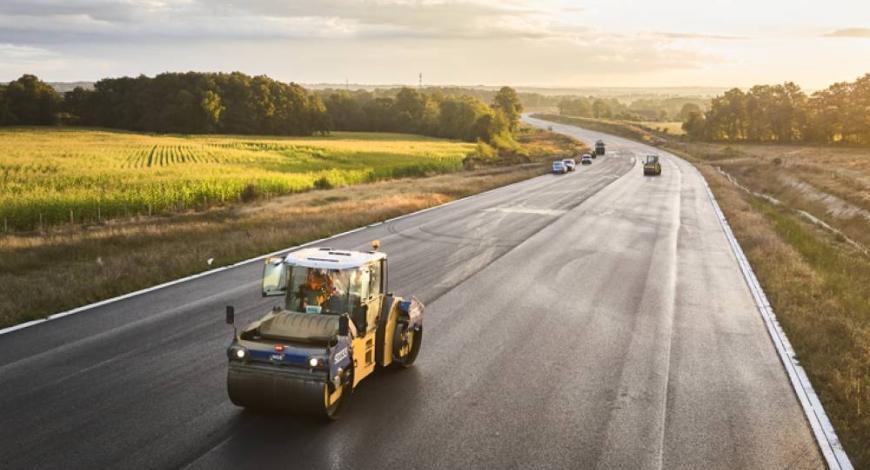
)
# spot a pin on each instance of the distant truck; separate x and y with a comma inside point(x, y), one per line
point(599, 147)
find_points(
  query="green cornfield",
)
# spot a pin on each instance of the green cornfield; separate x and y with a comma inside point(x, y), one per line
point(51, 176)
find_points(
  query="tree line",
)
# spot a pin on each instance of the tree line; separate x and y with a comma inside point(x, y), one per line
point(192, 102)
point(436, 114)
point(29, 101)
point(487, 95)
point(235, 103)
point(644, 109)
point(784, 113)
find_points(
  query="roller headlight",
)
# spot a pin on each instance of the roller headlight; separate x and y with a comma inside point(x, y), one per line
point(313, 362)
point(237, 353)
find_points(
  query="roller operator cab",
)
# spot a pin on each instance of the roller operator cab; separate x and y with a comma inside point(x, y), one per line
point(599, 147)
point(338, 322)
point(652, 166)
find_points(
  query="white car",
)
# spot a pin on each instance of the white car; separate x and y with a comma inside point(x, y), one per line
point(570, 164)
point(586, 159)
point(559, 167)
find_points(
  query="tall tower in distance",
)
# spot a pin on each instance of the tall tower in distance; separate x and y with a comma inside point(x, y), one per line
point(421, 81)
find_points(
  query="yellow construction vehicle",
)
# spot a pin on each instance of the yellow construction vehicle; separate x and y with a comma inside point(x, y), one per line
point(652, 166)
point(338, 324)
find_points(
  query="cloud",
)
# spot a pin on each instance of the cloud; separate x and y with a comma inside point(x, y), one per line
point(462, 40)
point(16, 59)
point(13, 52)
point(66, 21)
point(849, 33)
point(670, 35)
point(47, 21)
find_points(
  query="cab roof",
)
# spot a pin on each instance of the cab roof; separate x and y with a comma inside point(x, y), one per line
point(329, 258)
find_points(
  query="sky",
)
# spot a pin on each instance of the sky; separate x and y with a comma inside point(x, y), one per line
point(554, 43)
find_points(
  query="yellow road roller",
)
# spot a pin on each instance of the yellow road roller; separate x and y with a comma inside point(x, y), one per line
point(652, 166)
point(337, 324)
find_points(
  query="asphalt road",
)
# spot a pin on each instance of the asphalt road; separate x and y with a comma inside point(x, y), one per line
point(591, 320)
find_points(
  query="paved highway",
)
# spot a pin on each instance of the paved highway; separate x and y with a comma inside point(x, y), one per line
point(591, 320)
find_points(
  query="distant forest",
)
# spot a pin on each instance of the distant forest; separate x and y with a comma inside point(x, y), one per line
point(644, 109)
point(784, 113)
point(235, 103)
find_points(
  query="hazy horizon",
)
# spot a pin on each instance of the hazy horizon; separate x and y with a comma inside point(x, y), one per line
point(548, 44)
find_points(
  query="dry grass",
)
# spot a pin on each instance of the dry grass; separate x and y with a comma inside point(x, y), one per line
point(541, 144)
point(831, 183)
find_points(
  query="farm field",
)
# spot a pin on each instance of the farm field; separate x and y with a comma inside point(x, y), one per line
point(54, 176)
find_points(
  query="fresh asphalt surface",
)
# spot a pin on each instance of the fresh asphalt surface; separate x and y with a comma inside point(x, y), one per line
point(591, 320)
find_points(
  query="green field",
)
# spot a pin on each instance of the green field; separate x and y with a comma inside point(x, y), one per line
point(52, 176)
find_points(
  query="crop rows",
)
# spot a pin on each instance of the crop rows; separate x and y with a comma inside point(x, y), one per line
point(50, 176)
point(165, 155)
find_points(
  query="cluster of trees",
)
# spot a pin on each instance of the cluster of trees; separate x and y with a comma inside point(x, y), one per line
point(784, 113)
point(198, 103)
point(28, 101)
point(436, 114)
point(487, 95)
point(235, 103)
point(644, 109)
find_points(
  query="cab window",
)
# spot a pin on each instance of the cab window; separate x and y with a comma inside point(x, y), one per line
point(375, 279)
point(359, 284)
